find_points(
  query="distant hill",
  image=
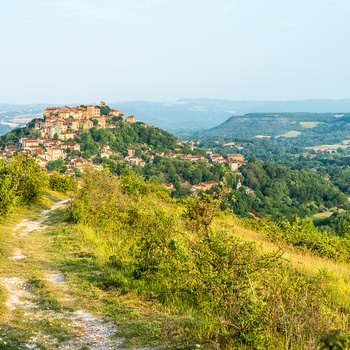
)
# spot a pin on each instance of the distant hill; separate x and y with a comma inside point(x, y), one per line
point(178, 117)
point(307, 128)
point(184, 116)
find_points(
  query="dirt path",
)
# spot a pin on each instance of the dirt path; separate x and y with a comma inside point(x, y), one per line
point(83, 330)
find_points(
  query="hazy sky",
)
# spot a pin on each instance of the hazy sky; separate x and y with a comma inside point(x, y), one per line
point(67, 51)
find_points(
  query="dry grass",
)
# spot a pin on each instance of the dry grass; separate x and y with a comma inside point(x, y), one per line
point(309, 125)
point(324, 148)
point(338, 273)
point(290, 134)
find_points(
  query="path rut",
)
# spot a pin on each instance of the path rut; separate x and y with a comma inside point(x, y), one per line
point(87, 331)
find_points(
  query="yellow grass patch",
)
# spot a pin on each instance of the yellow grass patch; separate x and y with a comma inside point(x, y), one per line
point(262, 137)
point(324, 148)
point(290, 134)
point(309, 125)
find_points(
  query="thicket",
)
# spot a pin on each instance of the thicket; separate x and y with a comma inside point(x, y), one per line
point(233, 294)
point(62, 183)
point(21, 182)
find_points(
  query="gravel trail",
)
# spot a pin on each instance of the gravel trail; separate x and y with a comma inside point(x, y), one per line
point(88, 331)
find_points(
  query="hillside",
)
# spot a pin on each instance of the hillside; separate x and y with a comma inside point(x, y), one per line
point(127, 267)
point(306, 128)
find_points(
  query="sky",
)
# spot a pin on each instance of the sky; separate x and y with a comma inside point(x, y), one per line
point(82, 51)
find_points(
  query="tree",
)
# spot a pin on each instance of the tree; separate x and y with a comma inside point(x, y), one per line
point(200, 212)
point(57, 165)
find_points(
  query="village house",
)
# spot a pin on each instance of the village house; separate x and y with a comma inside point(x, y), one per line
point(130, 119)
point(196, 158)
point(105, 151)
point(42, 124)
point(135, 161)
point(49, 142)
point(56, 153)
point(216, 158)
point(204, 186)
point(27, 142)
point(41, 140)
point(93, 112)
point(37, 151)
point(171, 155)
point(235, 158)
point(72, 146)
point(50, 111)
point(50, 131)
point(233, 166)
point(41, 161)
point(248, 190)
point(78, 163)
point(114, 112)
point(11, 149)
point(66, 136)
point(64, 112)
point(131, 151)
point(73, 124)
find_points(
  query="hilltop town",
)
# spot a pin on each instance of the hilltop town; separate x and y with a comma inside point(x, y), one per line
point(65, 121)
point(57, 137)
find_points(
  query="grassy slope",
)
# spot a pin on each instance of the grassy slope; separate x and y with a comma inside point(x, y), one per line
point(70, 249)
point(337, 272)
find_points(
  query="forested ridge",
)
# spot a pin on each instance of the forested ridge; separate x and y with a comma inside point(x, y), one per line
point(311, 128)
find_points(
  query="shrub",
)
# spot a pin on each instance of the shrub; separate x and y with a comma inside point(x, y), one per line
point(62, 183)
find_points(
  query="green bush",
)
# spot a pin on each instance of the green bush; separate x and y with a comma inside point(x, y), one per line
point(22, 181)
point(62, 183)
